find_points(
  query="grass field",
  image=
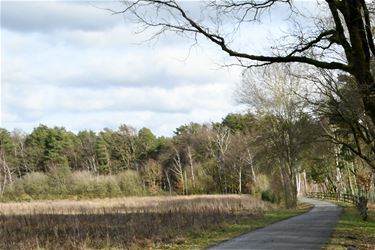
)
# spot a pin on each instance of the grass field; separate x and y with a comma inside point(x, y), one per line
point(225, 231)
point(136, 204)
point(352, 231)
point(125, 223)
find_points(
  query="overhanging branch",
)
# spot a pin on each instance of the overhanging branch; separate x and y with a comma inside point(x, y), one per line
point(195, 27)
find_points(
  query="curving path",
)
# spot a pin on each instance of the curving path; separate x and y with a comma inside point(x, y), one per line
point(310, 230)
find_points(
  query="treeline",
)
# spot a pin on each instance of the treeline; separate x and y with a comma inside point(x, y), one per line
point(290, 143)
point(245, 153)
point(197, 159)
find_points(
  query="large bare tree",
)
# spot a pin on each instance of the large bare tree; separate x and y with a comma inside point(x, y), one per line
point(339, 39)
point(286, 130)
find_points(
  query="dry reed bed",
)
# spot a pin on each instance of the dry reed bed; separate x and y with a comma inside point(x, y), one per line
point(134, 204)
point(107, 226)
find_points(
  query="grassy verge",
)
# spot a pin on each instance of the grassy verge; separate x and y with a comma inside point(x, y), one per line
point(211, 236)
point(352, 231)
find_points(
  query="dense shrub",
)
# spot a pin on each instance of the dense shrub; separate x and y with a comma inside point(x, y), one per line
point(268, 195)
point(261, 184)
point(36, 184)
point(59, 178)
point(112, 186)
point(82, 184)
point(130, 183)
point(100, 187)
point(16, 191)
point(61, 183)
point(16, 188)
point(203, 183)
point(85, 184)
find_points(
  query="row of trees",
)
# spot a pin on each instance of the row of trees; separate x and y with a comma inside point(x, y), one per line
point(326, 135)
point(47, 148)
point(333, 39)
point(288, 140)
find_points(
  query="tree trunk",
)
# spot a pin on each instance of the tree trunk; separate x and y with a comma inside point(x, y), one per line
point(350, 184)
point(298, 184)
point(186, 183)
point(191, 166)
point(178, 170)
point(305, 181)
point(359, 54)
point(251, 163)
point(293, 191)
point(168, 181)
point(4, 171)
point(285, 185)
point(240, 180)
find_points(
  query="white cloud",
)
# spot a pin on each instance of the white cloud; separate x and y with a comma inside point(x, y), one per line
point(41, 100)
point(95, 88)
point(83, 70)
point(46, 16)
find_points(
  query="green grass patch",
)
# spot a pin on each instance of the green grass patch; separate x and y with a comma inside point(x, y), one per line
point(212, 236)
point(352, 231)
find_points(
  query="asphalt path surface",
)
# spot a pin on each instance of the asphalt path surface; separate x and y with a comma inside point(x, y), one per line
point(310, 230)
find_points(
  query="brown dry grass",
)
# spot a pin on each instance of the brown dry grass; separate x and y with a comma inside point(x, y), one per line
point(134, 204)
point(119, 222)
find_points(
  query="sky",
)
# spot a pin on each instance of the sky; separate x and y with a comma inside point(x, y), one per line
point(75, 65)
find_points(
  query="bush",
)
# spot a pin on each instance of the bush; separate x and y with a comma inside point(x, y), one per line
point(16, 188)
point(204, 184)
point(36, 184)
point(59, 178)
point(85, 184)
point(82, 184)
point(15, 191)
point(100, 187)
point(268, 195)
point(261, 185)
point(130, 183)
point(61, 182)
point(113, 188)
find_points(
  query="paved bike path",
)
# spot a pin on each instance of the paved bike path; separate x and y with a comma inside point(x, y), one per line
point(310, 230)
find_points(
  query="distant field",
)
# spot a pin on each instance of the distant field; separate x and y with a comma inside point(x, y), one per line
point(131, 222)
point(136, 204)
